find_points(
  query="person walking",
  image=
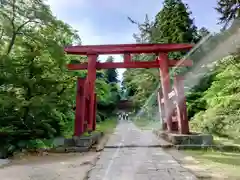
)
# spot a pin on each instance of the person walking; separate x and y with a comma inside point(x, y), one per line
point(126, 116)
point(123, 116)
point(119, 116)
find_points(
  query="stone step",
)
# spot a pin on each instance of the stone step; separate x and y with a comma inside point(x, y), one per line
point(229, 148)
point(69, 149)
point(77, 144)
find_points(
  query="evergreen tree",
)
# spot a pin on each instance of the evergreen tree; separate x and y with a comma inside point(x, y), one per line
point(202, 32)
point(111, 74)
point(173, 24)
point(145, 28)
point(229, 10)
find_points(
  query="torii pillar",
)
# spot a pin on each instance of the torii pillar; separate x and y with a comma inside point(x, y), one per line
point(166, 89)
point(91, 78)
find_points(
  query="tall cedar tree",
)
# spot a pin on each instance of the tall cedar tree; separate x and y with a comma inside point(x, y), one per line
point(111, 74)
point(229, 10)
point(174, 25)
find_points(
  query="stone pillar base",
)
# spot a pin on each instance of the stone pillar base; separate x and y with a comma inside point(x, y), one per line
point(187, 139)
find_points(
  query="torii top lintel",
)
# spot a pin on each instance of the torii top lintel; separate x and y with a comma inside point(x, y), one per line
point(126, 48)
point(93, 51)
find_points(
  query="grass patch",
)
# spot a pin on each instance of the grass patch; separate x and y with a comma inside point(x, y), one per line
point(227, 141)
point(226, 163)
point(223, 162)
point(107, 126)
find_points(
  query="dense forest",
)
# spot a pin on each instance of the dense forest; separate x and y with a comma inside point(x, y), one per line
point(37, 92)
point(214, 102)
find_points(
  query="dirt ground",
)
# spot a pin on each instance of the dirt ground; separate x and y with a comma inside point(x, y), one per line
point(50, 167)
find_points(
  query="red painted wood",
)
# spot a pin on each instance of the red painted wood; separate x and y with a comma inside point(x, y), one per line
point(79, 120)
point(95, 112)
point(86, 120)
point(175, 126)
point(161, 109)
point(126, 48)
point(85, 104)
point(92, 59)
point(127, 58)
point(181, 105)
point(166, 86)
point(113, 65)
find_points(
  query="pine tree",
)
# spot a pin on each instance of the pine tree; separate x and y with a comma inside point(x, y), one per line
point(202, 32)
point(229, 10)
point(173, 24)
point(111, 74)
point(145, 28)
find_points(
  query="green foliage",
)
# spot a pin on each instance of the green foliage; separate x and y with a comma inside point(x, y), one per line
point(108, 92)
point(108, 95)
point(107, 126)
point(173, 23)
point(37, 92)
point(111, 74)
point(195, 100)
point(34, 84)
point(202, 32)
point(222, 102)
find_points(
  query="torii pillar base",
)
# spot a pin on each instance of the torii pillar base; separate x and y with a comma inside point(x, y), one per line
point(192, 140)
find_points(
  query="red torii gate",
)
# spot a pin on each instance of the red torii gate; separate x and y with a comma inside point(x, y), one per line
point(85, 118)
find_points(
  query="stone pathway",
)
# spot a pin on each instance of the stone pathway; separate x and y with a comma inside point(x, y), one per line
point(136, 163)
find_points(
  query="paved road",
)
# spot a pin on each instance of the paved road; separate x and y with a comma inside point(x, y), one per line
point(136, 163)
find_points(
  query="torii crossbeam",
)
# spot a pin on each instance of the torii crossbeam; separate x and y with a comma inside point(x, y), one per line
point(86, 97)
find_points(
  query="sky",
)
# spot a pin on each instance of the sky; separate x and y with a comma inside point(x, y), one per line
point(105, 21)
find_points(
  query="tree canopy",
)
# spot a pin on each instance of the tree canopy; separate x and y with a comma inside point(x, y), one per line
point(228, 10)
point(37, 92)
point(111, 74)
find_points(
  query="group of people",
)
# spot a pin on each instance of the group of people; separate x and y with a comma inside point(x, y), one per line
point(123, 116)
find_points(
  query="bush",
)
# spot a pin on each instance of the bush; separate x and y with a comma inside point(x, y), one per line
point(222, 114)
